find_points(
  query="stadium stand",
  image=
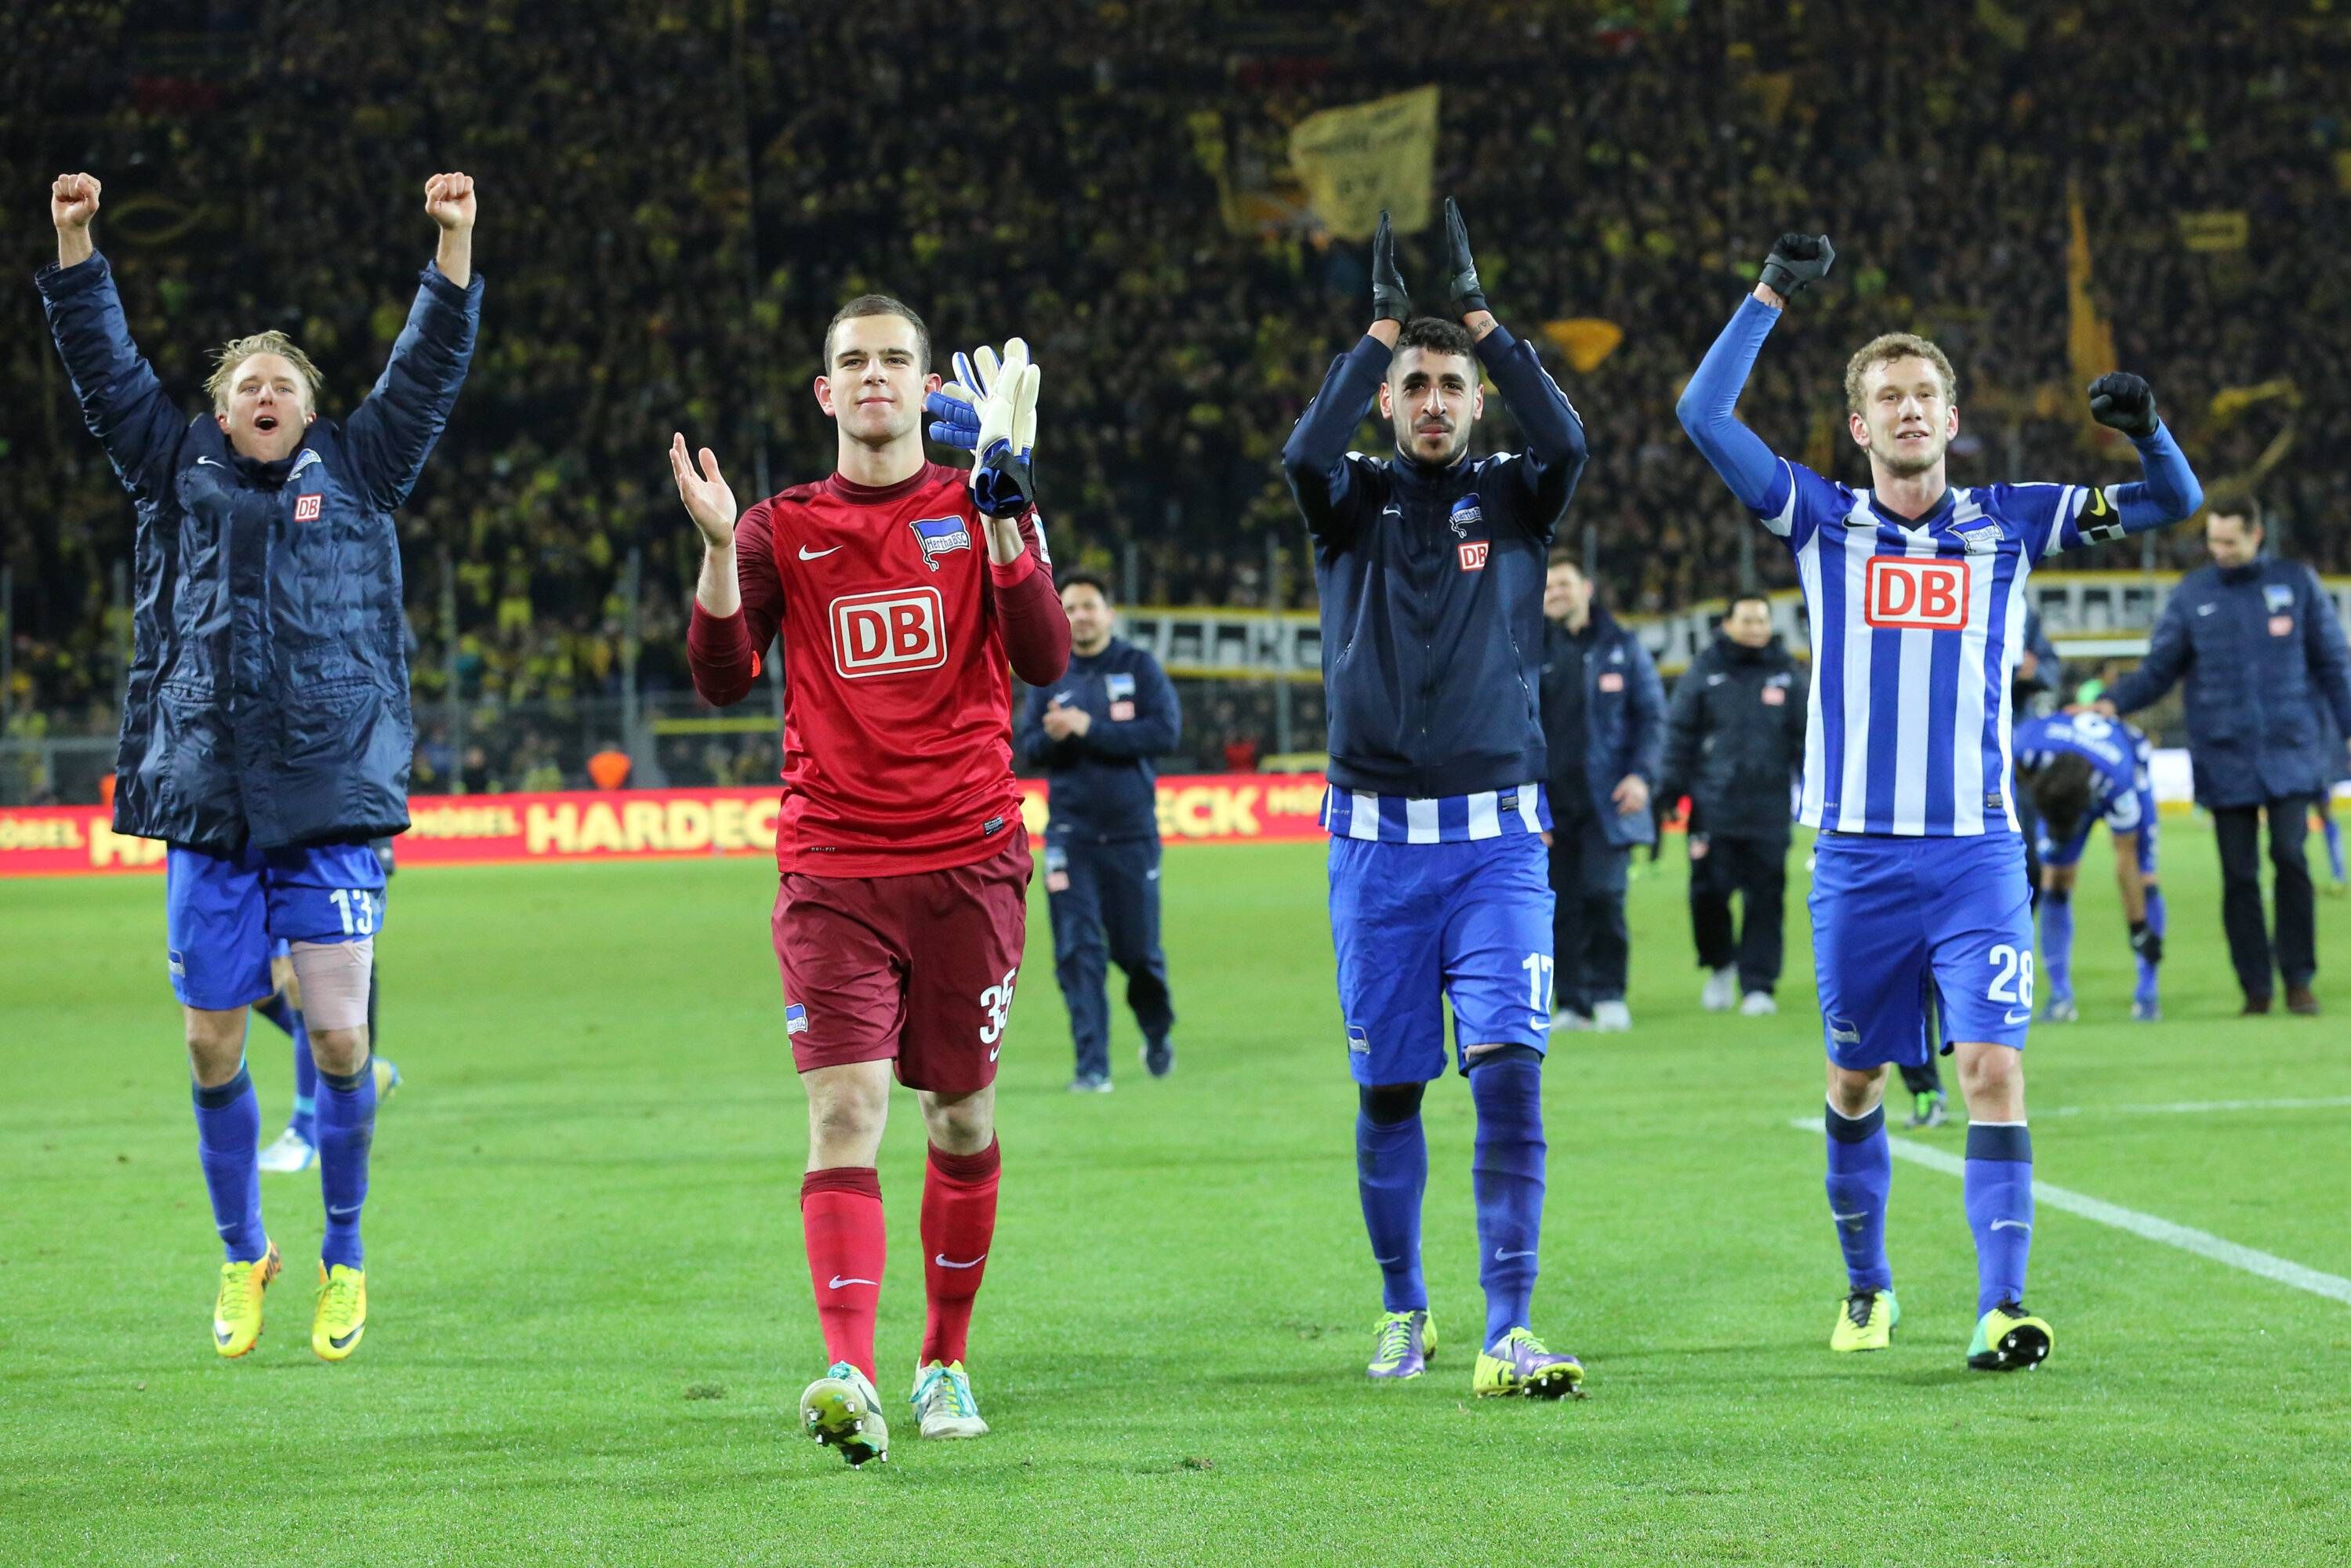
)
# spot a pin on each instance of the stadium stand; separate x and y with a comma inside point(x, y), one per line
point(680, 203)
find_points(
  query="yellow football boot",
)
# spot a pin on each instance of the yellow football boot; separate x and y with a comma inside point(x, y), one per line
point(2009, 1338)
point(1865, 1322)
point(237, 1310)
point(341, 1317)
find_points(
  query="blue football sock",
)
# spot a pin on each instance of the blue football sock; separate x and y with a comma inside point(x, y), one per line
point(1506, 1173)
point(2057, 942)
point(346, 1129)
point(2334, 830)
point(1391, 1174)
point(2144, 994)
point(1999, 1184)
point(1861, 1175)
point(229, 1129)
point(305, 1084)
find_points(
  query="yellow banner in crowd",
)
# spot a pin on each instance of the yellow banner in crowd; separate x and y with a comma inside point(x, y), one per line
point(1357, 159)
point(2089, 335)
point(2224, 229)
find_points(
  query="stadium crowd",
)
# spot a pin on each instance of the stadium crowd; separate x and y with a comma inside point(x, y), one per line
point(683, 195)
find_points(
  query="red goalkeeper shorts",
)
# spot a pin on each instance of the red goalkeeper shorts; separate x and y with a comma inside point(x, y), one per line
point(919, 967)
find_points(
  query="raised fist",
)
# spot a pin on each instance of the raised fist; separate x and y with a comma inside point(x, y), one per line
point(2123, 402)
point(73, 200)
point(449, 200)
point(1797, 260)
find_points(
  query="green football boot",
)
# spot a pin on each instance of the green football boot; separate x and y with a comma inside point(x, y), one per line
point(2009, 1338)
point(1865, 1322)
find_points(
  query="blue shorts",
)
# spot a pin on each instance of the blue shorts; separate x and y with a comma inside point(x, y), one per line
point(1898, 922)
point(2070, 851)
point(1419, 924)
point(225, 913)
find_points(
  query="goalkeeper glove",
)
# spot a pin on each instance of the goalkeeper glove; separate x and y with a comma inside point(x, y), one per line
point(1390, 300)
point(1460, 268)
point(990, 408)
point(1797, 260)
point(2147, 941)
point(2123, 402)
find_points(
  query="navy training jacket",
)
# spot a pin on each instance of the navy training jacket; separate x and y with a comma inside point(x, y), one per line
point(2264, 660)
point(1432, 580)
point(1624, 720)
point(1105, 787)
point(267, 700)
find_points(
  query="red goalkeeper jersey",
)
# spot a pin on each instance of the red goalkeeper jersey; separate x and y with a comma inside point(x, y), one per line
point(897, 631)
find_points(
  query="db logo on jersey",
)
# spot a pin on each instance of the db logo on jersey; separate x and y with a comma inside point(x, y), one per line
point(306, 507)
point(885, 634)
point(1922, 595)
point(1473, 554)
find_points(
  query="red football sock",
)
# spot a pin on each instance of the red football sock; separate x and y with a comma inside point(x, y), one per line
point(841, 1214)
point(958, 1227)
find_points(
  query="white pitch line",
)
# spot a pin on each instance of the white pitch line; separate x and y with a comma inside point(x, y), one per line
point(2202, 1107)
point(2202, 1243)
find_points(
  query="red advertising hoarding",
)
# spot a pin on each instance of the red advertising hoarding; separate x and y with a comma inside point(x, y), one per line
point(1215, 808)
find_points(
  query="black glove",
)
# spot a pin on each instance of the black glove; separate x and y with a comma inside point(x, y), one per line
point(2145, 940)
point(2123, 402)
point(1797, 260)
point(1461, 289)
point(1390, 301)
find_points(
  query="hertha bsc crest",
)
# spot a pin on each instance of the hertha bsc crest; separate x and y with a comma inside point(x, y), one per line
point(937, 535)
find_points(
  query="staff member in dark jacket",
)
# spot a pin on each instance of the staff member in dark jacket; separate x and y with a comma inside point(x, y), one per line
point(2263, 655)
point(265, 731)
point(1734, 743)
point(1096, 731)
point(1603, 713)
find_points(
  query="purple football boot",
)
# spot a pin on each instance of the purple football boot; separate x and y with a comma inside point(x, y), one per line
point(1517, 1363)
point(1402, 1343)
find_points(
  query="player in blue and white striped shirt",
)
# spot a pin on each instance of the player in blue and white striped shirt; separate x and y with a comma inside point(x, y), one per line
point(2080, 768)
point(1916, 591)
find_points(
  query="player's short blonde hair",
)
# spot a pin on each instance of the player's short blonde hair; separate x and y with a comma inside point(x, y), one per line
point(1884, 350)
point(236, 351)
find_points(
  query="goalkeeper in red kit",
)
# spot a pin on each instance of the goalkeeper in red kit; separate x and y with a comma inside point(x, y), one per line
point(902, 588)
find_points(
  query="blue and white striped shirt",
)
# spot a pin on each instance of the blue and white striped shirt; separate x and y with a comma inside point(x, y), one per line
point(1444, 820)
point(1916, 624)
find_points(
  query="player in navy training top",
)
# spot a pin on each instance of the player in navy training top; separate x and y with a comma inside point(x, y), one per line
point(1429, 565)
point(1915, 591)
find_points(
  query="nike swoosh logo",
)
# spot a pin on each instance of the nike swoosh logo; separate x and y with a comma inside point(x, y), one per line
point(838, 1282)
point(2011, 1224)
point(944, 1261)
point(205, 462)
point(1384, 1262)
point(1835, 1215)
point(991, 1055)
point(1502, 1257)
point(808, 554)
point(342, 1341)
point(2016, 1015)
point(2200, 609)
point(334, 1213)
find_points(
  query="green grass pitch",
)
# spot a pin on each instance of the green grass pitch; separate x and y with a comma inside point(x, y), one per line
point(591, 1317)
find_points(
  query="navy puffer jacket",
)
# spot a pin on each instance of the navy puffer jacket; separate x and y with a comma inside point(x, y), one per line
point(267, 700)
